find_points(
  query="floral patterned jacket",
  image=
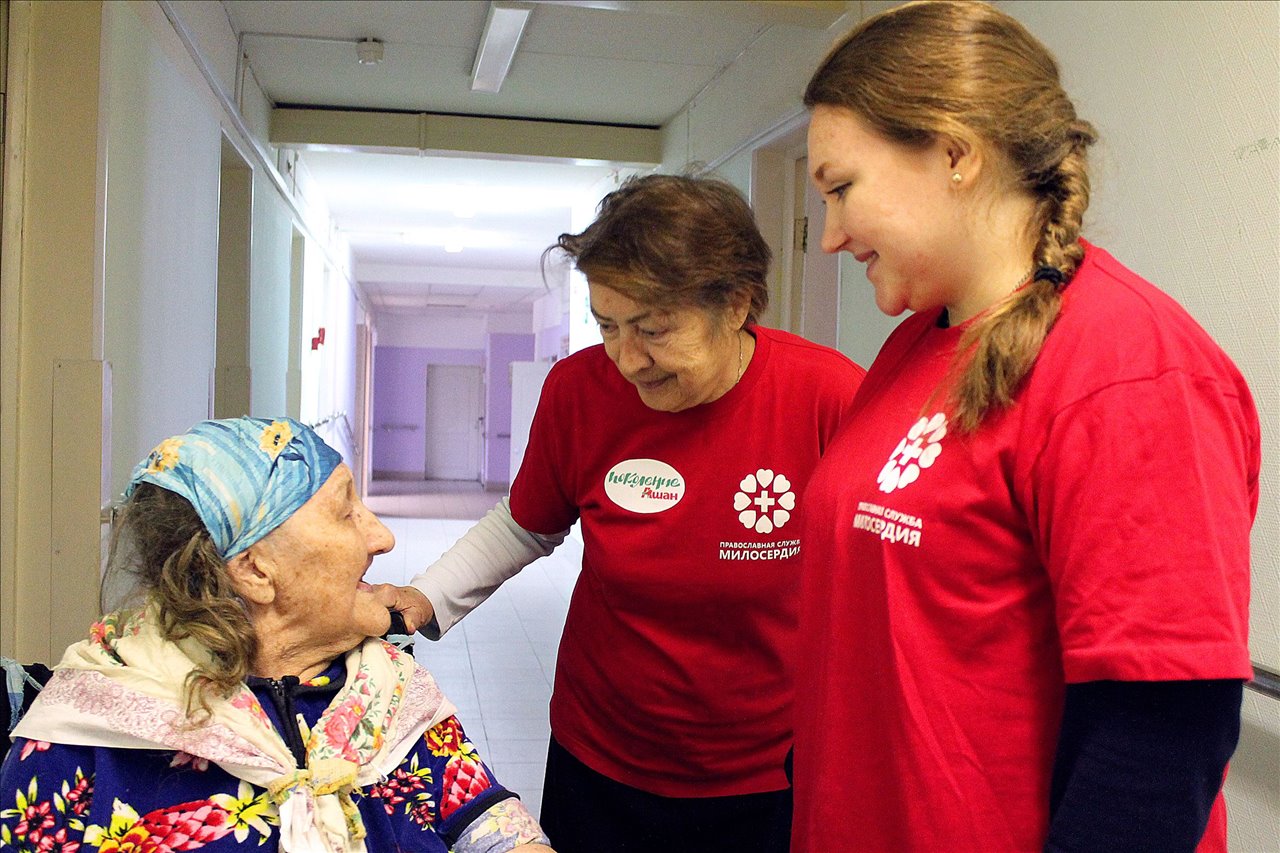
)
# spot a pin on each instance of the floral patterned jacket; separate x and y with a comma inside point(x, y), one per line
point(76, 799)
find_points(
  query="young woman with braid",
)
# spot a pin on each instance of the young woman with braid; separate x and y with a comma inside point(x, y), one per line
point(1027, 552)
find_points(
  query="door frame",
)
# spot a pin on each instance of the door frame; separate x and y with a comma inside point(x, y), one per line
point(777, 197)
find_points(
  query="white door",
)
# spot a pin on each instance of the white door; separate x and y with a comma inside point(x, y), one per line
point(820, 276)
point(455, 417)
point(526, 387)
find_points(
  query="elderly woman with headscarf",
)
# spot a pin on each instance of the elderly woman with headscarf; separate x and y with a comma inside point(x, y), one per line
point(245, 699)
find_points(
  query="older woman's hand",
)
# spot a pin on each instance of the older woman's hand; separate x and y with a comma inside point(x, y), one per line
point(411, 604)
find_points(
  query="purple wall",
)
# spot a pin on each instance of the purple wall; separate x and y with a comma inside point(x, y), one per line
point(400, 403)
point(502, 350)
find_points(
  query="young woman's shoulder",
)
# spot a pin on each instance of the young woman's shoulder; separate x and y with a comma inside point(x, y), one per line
point(1115, 326)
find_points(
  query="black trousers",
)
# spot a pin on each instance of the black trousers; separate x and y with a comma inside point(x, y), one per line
point(585, 812)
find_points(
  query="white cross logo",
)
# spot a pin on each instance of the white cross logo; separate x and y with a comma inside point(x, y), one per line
point(771, 494)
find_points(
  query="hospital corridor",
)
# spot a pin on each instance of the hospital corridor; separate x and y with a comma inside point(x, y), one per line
point(631, 269)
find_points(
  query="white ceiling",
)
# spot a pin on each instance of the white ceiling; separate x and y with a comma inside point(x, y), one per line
point(399, 211)
point(603, 61)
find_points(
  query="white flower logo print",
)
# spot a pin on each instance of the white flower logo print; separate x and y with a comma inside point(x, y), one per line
point(919, 450)
point(765, 501)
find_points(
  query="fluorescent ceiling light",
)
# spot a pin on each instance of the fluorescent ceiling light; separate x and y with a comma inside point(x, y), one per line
point(502, 31)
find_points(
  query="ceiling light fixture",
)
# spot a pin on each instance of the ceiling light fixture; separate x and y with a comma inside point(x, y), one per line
point(502, 31)
point(369, 51)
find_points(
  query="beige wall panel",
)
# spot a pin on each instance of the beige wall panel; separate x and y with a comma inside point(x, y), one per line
point(58, 305)
point(392, 131)
point(77, 462)
point(375, 131)
point(234, 380)
point(271, 337)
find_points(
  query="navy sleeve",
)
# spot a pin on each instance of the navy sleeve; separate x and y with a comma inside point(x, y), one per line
point(442, 785)
point(1139, 764)
point(45, 796)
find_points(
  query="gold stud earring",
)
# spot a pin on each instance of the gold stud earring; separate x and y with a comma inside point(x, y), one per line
point(956, 178)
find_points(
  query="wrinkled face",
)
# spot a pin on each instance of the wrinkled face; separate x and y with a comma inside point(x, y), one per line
point(676, 357)
point(893, 208)
point(321, 552)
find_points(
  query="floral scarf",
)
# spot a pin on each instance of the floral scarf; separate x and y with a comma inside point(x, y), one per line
point(123, 688)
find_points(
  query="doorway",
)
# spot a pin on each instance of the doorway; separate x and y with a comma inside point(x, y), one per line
point(454, 422)
point(804, 283)
point(232, 387)
point(816, 302)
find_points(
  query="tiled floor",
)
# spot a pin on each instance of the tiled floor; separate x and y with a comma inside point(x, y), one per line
point(497, 664)
point(417, 498)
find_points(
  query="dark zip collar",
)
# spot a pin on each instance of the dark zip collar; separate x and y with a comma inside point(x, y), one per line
point(285, 694)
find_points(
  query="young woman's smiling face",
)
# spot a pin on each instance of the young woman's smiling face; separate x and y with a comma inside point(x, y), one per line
point(676, 357)
point(892, 207)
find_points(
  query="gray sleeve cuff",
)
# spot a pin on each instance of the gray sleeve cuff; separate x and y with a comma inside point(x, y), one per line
point(492, 551)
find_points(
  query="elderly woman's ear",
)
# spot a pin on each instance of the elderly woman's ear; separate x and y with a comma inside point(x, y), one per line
point(253, 577)
point(739, 310)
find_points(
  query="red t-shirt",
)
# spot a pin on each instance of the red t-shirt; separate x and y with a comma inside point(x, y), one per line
point(674, 669)
point(1098, 529)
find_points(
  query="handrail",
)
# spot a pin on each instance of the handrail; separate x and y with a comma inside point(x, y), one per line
point(328, 419)
point(349, 433)
point(1265, 681)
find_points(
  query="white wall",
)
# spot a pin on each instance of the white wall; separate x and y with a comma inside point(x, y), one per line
point(759, 91)
point(583, 329)
point(163, 152)
point(551, 317)
point(271, 333)
point(737, 171)
point(163, 145)
point(211, 31)
point(328, 370)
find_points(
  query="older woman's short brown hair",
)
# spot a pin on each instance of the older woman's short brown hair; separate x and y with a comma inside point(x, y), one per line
point(673, 240)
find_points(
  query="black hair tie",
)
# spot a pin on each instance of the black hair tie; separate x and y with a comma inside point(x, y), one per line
point(1053, 274)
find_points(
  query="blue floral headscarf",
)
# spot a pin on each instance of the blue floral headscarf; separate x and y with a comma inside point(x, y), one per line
point(244, 476)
